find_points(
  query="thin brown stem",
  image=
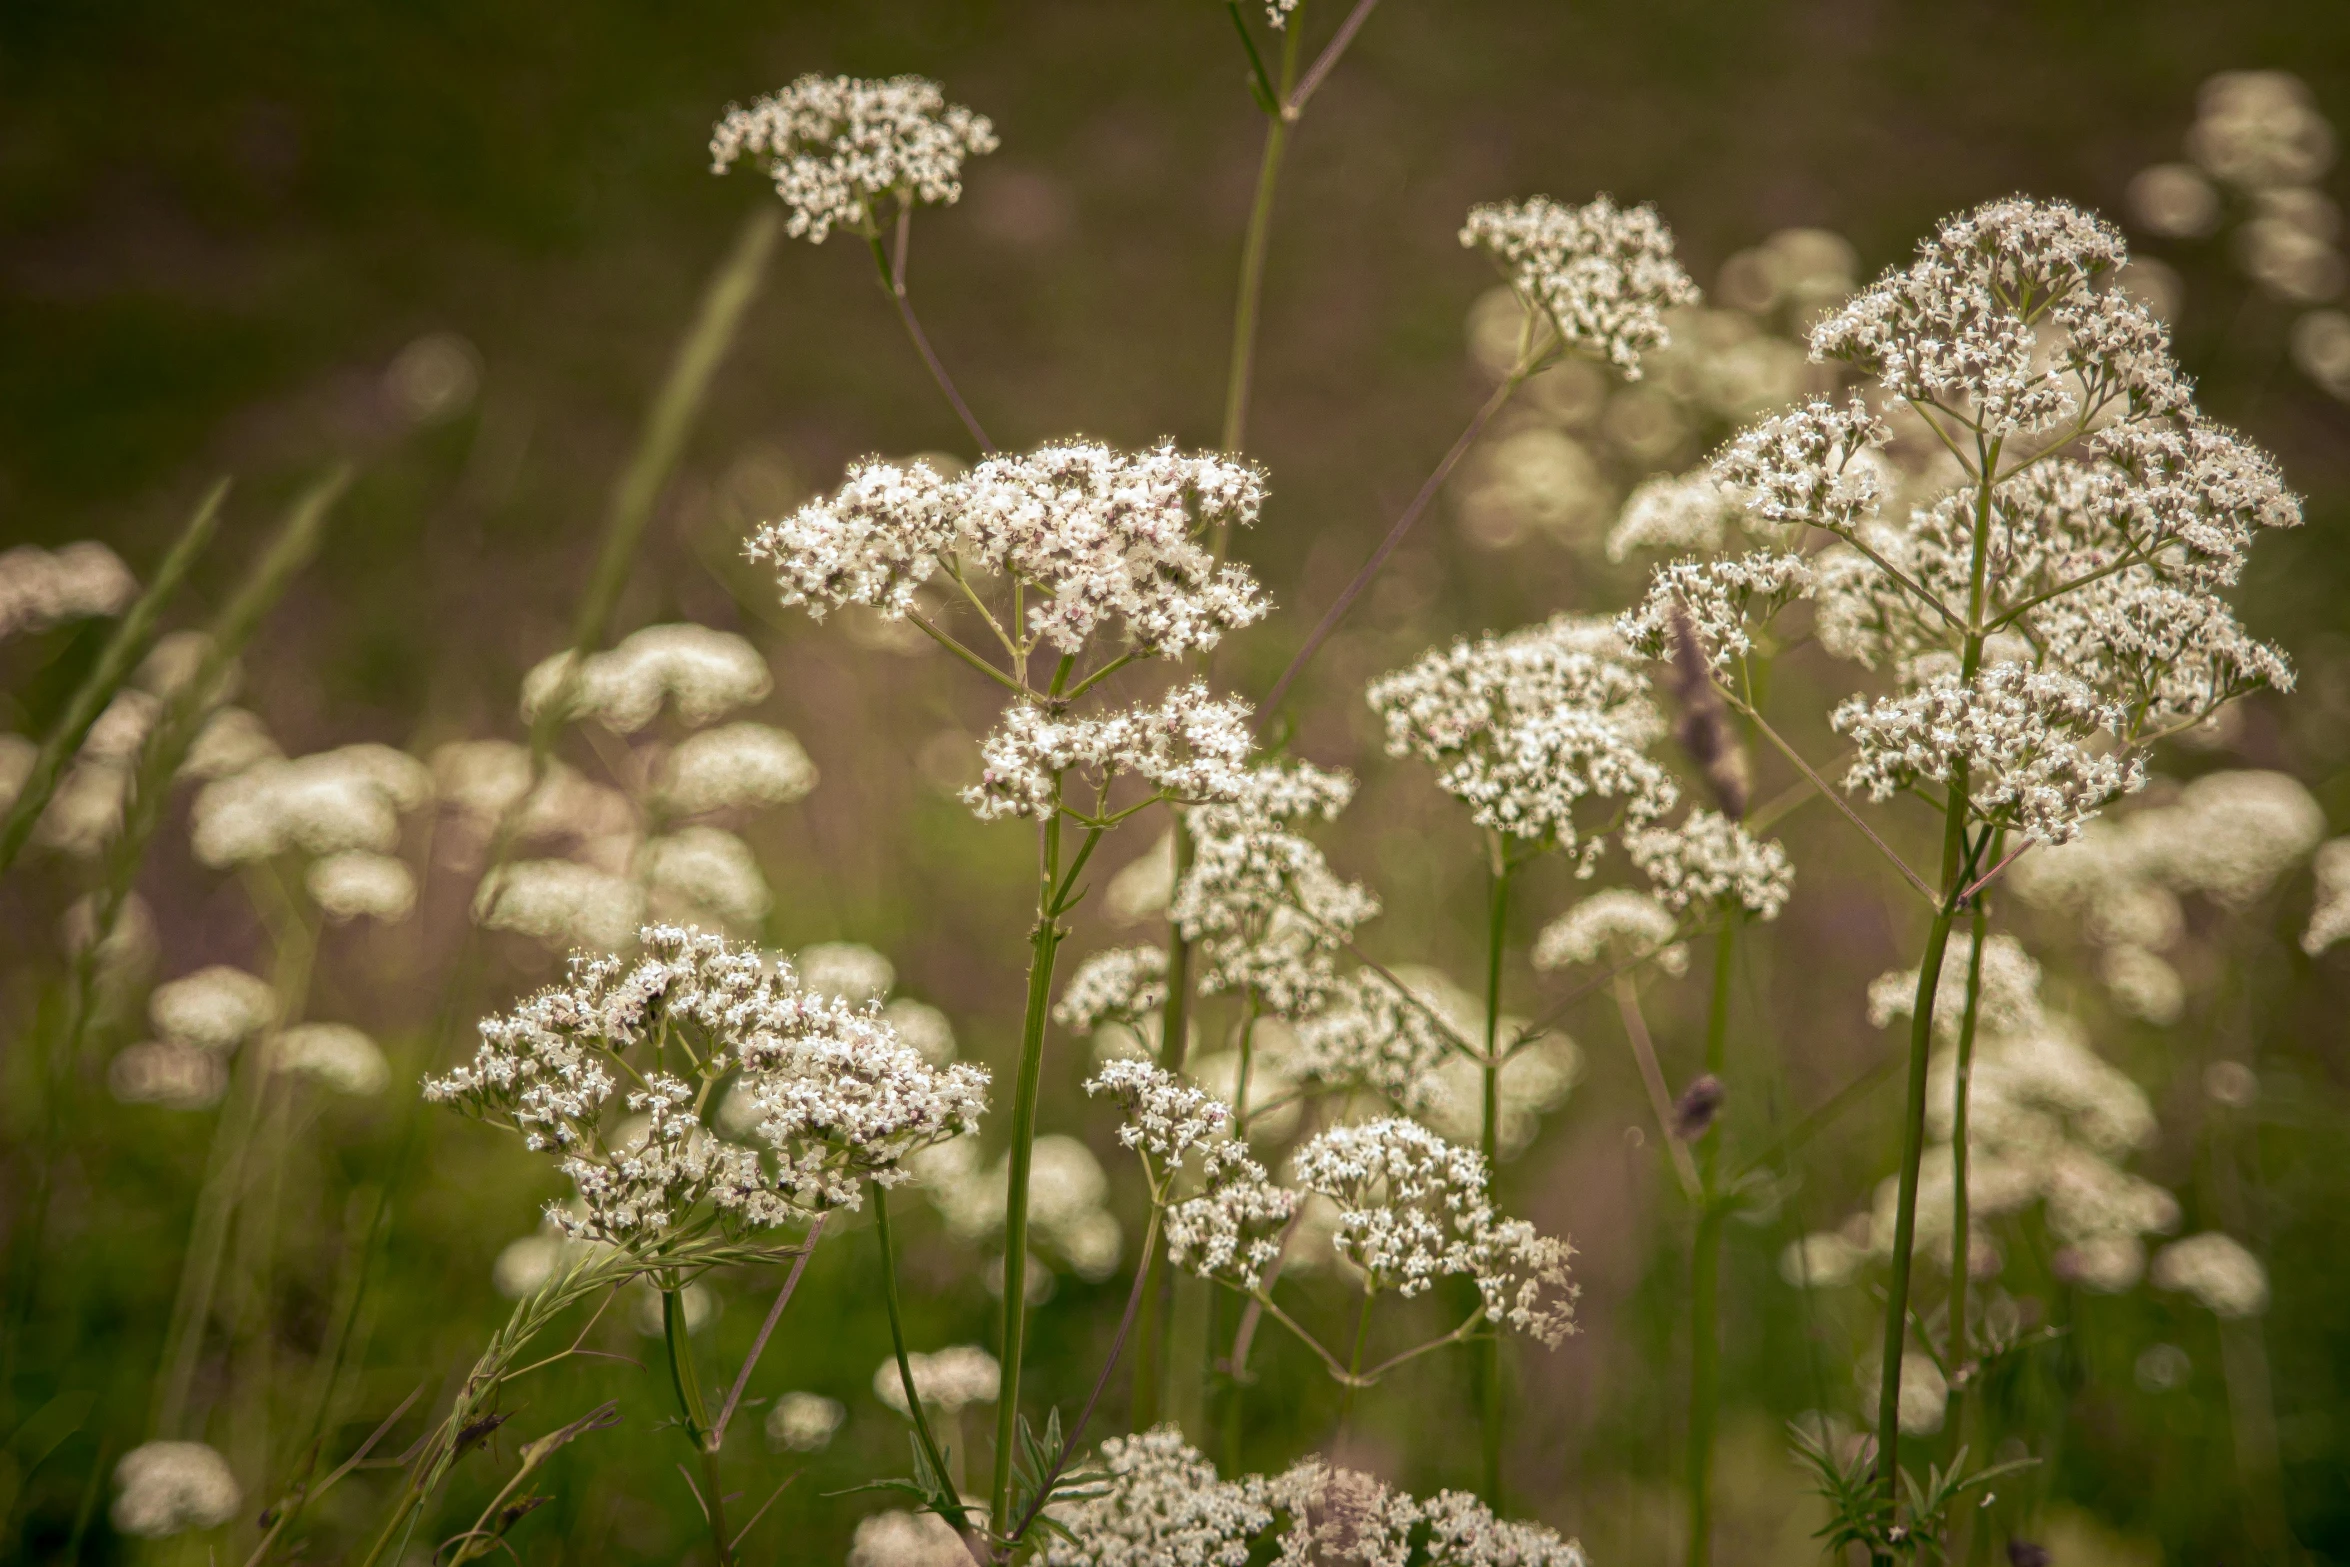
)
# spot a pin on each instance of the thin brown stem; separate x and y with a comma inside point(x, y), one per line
point(1924, 888)
point(1387, 546)
point(1652, 1078)
point(742, 1378)
point(1327, 60)
point(894, 283)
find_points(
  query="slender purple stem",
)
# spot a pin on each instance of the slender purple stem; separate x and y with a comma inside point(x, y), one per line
point(938, 371)
point(1328, 58)
point(766, 1329)
point(1387, 547)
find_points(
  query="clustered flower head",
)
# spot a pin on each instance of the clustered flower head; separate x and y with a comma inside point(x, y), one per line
point(948, 1379)
point(1263, 904)
point(1414, 1208)
point(705, 673)
point(41, 588)
point(1231, 1228)
point(839, 146)
point(166, 1488)
point(1120, 985)
point(1162, 1503)
point(1098, 538)
point(1191, 746)
point(2216, 1271)
point(1525, 728)
point(1369, 1034)
point(1602, 275)
point(1709, 858)
point(1614, 925)
point(837, 1098)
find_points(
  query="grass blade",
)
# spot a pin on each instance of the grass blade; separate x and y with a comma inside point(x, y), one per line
point(133, 635)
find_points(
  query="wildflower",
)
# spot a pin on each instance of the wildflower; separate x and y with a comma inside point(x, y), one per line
point(1813, 466)
point(897, 1538)
point(1098, 537)
point(2259, 130)
point(947, 1380)
point(837, 146)
point(1711, 859)
point(558, 903)
point(1122, 985)
point(1525, 727)
point(2233, 834)
point(839, 1099)
point(703, 870)
point(1602, 275)
point(1612, 926)
point(42, 588)
point(230, 741)
point(213, 1008)
point(2006, 1002)
point(1723, 603)
point(2224, 1278)
point(353, 883)
point(806, 1422)
point(1369, 1034)
point(1167, 1119)
point(1690, 512)
point(922, 1026)
point(323, 804)
point(2142, 984)
point(2329, 915)
point(1342, 1515)
point(1163, 1505)
point(706, 674)
point(735, 767)
point(1232, 1231)
point(170, 1073)
point(334, 1055)
point(2023, 737)
point(1413, 1208)
point(849, 970)
point(1462, 1532)
point(166, 1488)
point(1068, 1197)
point(1190, 747)
point(1261, 901)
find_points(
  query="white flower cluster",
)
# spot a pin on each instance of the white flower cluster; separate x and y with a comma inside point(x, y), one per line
point(1098, 537)
point(839, 1099)
point(835, 146)
point(1167, 1119)
point(2027, 740)
point(1524, 728)
point(2329, 915)
point(1603, 275)
point(1261, 901)
point(803, 1422)
point(1369, 1035)
point(734, 767)
point(947, 1380)
point(41, 588)
point(1122, 985)
point(166, 1488)
point(706, 673)
point(1164, 1505)
point(1726, 600)
point(1230, 1228)
point(1614, 925)
point(1678, 513)
point(2215, 1269)
point(1192, 746)
point(1414, 1208)
point(346, 800)
point(1709, 858)
point(2007, 1001)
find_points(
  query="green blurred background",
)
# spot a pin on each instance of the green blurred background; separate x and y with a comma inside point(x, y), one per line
point(222, 224)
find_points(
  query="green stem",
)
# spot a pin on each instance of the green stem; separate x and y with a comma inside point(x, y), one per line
point(1921, 1034)
point(1705, 1268)
point(1174, 1042)
point(1489, 1144)
point(897, 1332)
point(1961, 1088)
point(697, 1416)
point(1044, 943)
point(1253, 252)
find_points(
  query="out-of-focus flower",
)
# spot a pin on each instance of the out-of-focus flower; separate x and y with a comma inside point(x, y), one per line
point(334, 1055)
point(2224, 1278)
point(946, 1380)
point(805, 1422)
point(836, 146)
point(41, 588)
point(704, 673)
point(166, 1488)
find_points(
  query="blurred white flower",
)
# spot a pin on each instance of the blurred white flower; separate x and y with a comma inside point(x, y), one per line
point(703, 871)
point(334, 1055)
point(741, 765)
point(560, 904)
point(947, 1380)
point(169, 1073)
point(213, 1008)
point(850, 970)
point(166, 1488)
point(2224, 1278)
point(41, 588)
point(347, 885)
point(705, 673)
point(805, 1422)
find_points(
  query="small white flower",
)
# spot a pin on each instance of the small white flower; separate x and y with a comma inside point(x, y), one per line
point(41, 588)
point(947, 1380)
point(1191, 747)
point(1525, 728)
point(354, 883)
point(738, 766)
point(1602, 275)
point(166, 1488)
point(2223, 1277)
point(1164, 1506)
point(334, 1055)
point(806, 1422)
point(837, 146)
point(1612, 926)
point(706, 674)
point(213, 1009)
point(1710, 859)
point(1122, 985)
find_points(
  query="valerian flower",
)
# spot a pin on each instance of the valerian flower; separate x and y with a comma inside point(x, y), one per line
point(1602, 275)
point(1096, 537)
point(1191, 747)
point(1162, 1505)
point(1615, 925)
point(837, 147)
point(1525, 728)
point(2216, 1270)
point(838, 1099)
point(1121, 985)
point(1708, 858)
